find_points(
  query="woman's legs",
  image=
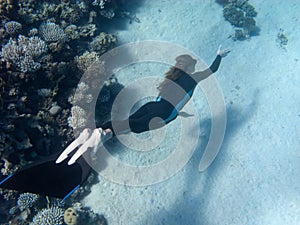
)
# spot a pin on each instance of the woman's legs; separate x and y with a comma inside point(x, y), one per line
point(149, 116)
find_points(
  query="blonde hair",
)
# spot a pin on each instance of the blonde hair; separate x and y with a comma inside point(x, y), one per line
point(174, 73)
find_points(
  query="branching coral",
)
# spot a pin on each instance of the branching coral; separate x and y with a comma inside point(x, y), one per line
point(103, 42)
point(87, 30)
point(71, 13)
point(51, 32)
point(84, 61)
point(12, 27)
point(100, 3)
point(26, 200)
point(8, 168)
point(53, 215)
point(6, 7)
point(78, 117)
point(26, 10)
point(24, 53)
point(81, 95)
point(72, 32)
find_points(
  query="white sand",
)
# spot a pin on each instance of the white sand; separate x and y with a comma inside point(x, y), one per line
point(255, 178)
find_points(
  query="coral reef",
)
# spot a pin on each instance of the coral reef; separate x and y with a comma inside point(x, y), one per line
point(26, 200)
point(81, 95)
point(88, 30)
point(13, 27)
point(84, 61)
point(51, 32)
point(72, 32)
point(26, 11)
point(24, 53)
point(109, 14)
point(100, 3)
point(8, 167)
point(78, 117)
point(103, 42)
point(6, 7)
point(53, 215)
point(45, 48)
point(72, 14)
point(86, 216)
point(241, 15)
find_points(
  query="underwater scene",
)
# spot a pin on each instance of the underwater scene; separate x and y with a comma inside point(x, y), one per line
point(148, 112)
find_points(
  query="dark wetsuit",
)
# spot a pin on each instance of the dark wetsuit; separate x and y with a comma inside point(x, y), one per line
point(169, 102)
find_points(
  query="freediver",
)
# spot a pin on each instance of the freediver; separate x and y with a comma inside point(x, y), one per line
point(174, 92)
point(57, 177)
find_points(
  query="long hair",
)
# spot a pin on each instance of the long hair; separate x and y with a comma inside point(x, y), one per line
point(173, 74)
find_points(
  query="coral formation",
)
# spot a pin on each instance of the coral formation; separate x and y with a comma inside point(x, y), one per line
point(100, 3)
point(282, 39)
point(72, 32)
point(8, 168)
point(84, 61)
point(13, 27)
point(88, 30)
point(103, 42)
point(43, 43)
point(108, 13)
point(24, 53)
point(78, 117)
point(71, 14)
point(86, 216)
point(6, 7)
point(26, 200)
point(81, 95)
point(53, 215)
point(240, 14)
point(33, 32)
point(51, 32)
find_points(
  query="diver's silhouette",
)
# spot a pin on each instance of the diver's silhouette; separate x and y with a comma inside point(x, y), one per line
point(174, 92)
point(55, 177)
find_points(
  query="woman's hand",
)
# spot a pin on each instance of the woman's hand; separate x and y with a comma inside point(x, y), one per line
point(221, 52)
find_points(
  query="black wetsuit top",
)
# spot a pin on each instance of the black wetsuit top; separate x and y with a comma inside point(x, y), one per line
point(179, 92)
point(170, 101)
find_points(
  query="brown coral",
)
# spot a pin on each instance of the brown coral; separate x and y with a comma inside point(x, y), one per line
point(103, 42)
point(6, 7)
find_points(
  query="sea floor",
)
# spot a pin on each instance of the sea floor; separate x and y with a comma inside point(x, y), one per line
point(255, 177)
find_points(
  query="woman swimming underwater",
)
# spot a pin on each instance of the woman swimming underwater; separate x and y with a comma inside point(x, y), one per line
point(57, 177)
point(174, 92)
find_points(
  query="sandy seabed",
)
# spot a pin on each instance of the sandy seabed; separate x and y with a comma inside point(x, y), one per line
point(255, 177)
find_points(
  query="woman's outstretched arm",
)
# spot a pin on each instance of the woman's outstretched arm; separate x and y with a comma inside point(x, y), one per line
point(199, 76)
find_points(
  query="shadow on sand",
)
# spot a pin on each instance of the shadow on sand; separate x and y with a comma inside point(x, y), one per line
point(190, 207)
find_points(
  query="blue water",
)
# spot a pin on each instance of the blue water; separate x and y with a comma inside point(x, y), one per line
point(254, 177)
point(153, 178)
